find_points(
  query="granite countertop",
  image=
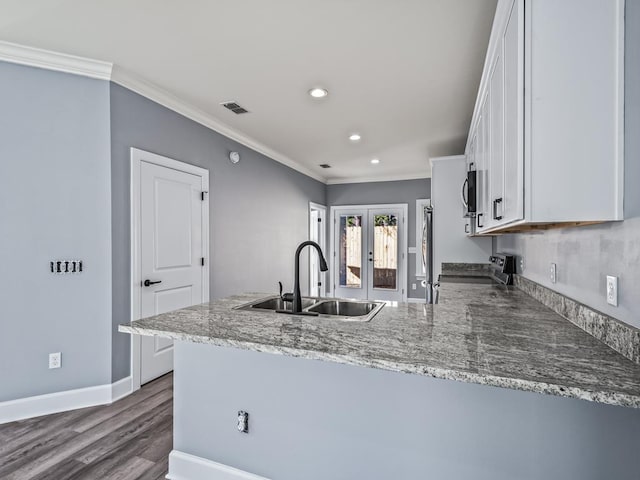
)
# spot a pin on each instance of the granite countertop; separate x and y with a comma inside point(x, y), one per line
point(486, 334)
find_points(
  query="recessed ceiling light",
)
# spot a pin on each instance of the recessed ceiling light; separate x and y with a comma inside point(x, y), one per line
point(355, 137)
point(318, 92)
point(375, 161)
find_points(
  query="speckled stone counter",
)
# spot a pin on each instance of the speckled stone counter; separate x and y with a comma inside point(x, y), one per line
point(486, 334)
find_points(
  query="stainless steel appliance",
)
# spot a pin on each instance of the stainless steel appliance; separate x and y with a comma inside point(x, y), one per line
point(500, 272)
point(468, 194)
point(431, 295)
point(503, 267)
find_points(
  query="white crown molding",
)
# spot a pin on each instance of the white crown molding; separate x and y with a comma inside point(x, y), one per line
point(60, 62)
point(388, 178)
point(49, 403)
point(172, 102)
point(184, 466)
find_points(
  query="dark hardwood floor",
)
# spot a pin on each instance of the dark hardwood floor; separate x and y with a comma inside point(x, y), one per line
point(127, 440)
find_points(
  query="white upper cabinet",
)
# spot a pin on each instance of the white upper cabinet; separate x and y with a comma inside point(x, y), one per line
point(546, 133)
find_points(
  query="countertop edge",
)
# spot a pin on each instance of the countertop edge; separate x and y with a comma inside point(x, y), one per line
point(604, 397)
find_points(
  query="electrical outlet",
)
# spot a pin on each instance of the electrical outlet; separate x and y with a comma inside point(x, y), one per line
point(552, 273)
point(521, 264)
point(612, 290)
point(55, 360)
point(413, 286)
point(243, 422)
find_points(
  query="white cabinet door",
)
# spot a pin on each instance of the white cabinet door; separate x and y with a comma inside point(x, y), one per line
point(482, 167)
point(496, 140)
point(513, 48)
point(545, 71)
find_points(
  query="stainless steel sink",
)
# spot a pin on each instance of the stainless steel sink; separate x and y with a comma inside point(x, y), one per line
point(344, 308)
point(338, 309)
point(276, 303)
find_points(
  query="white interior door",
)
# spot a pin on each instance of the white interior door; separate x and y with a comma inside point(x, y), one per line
point(369, 252)
point(171, 254)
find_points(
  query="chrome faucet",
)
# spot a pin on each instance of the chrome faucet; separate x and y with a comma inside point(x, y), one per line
point(296, 297)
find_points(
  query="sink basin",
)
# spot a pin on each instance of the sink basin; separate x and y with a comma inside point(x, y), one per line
point(343, 308)
point(337, 309)
point(276, 303)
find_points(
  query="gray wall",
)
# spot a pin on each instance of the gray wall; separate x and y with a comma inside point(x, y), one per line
point(54, 204)
point(585, 256)
point(450, 242)
point(317, 420)
point(258, 208)
point(404, 191)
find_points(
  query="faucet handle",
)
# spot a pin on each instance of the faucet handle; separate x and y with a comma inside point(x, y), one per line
point(287, 297)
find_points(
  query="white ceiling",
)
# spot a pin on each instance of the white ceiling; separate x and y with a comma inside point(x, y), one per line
point(402, 73)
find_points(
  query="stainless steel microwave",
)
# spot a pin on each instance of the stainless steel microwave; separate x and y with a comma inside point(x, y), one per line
point(469, 194)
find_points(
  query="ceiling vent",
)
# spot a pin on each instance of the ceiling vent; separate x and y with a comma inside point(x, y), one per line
point(234, 107)
point(325, 165)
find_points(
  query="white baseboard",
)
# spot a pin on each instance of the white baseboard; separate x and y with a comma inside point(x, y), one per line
point(415, 300)
point(183, 466)
point(49, 403)
point(121, 388)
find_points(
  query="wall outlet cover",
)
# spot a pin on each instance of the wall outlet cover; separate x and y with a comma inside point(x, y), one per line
point(243, 421)
point(553, 273)
point(55, 360)
point(612, 290)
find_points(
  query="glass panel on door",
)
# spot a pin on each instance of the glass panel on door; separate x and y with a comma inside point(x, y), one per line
point(385, 252)
point(350, 248)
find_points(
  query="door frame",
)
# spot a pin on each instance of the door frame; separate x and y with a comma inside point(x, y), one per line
point(403, 244)
point(322, 241)
point(137, 157)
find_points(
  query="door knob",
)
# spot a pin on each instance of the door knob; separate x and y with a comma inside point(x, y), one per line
point(148, 282)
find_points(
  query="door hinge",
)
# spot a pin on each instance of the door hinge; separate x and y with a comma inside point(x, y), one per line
point(403, 291)
point(319, 220)
point(202, 261)
point(202, 194)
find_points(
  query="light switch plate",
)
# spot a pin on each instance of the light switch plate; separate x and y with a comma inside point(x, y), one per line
point(553, 273)
point(612, 290)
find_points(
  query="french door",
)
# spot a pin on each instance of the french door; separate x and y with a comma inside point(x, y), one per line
point(369, 252)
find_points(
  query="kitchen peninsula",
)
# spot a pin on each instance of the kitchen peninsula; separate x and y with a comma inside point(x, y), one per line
point(321, 415)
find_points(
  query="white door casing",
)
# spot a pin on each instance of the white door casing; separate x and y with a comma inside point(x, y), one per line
point(170, 239)
point(365, 288)
point(317, 233)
